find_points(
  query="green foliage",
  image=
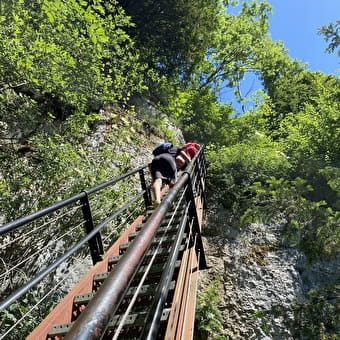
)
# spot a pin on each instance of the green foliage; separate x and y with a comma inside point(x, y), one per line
point(64, 166)
point(332, 175)
point(173, 36)
point(311, 226)
point(59, 61)
point(294, 178)
point(33, 315)
point(234, 169)
point(331, 35)
point(301, 93)
point(204, 119)
point(57, 58)
point(209, 320)
point(304, 119)
point(318, 317)
point(243, 46)
point(231, 55)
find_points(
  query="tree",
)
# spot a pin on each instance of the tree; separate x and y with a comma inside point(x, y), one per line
point(173, 35)
point(306, 115)
point(332, 35)
point(60, 62)
point(291, 93)
point(58, 58)
point(204, 119)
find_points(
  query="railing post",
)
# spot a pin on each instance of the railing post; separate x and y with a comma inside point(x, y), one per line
point(196, 227)
point(200, 180)
point(95, 243)
point(147, 193)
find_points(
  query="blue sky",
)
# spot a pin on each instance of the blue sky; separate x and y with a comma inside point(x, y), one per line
point(296, 23)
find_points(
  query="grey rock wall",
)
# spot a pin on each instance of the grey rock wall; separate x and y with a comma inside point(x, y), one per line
point(261, 276)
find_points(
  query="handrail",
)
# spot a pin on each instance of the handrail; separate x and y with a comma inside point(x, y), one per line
point(93, 236)
point(24, 289)
point(24, 220)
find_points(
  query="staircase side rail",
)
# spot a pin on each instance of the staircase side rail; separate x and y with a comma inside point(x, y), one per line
point(192, 175)
point(22, 234)
point(198, 178)
point(27, 219)
point(20, 292)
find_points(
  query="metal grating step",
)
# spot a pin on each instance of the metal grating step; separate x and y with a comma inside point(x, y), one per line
point(169, 230)
point(154, 270)
point(145, 293)
point(168, 215)
point(164, 223)
point(155, 242)
point(135, 320)
point(145, 290)
point(162, 252)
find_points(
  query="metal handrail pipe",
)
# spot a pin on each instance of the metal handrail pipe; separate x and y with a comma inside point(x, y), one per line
point(29, 218)
point(24, 289)
point(93, 321)
point(115, 180)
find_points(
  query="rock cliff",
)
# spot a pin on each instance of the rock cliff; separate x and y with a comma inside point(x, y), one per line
point(261, 275)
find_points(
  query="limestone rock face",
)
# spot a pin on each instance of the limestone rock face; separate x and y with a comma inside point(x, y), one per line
point(261, 276)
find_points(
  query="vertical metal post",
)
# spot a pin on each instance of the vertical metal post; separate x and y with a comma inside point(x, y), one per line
point(200, 179)
point(147, 193)
point(95, 243)
point(196, 228)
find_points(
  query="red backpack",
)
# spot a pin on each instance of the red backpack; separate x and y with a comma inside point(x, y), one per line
point(191, 149)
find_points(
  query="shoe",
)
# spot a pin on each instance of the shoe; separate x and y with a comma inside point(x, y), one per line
point(156, 204)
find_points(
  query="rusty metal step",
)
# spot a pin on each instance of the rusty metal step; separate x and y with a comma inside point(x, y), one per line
point(155, 270)
point(81, 301)
point(161, 252)
point(135, 320)
point(174, 220)
point(155, 242)
point(167, 215)
point(144, 290)
point(160, 231)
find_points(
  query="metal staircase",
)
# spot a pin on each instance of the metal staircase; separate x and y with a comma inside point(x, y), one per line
point(144, 285)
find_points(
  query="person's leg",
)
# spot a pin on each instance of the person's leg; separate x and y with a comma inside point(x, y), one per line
point(163, 168)
point(156, 187)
